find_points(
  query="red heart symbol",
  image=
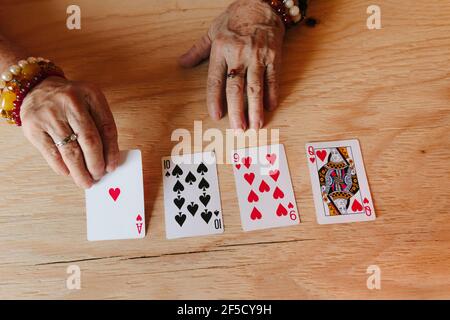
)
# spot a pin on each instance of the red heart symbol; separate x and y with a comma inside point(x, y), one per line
point(277, 194)
point(139, 218)
point(281, 210)
point(238, 166)
point(271, 158)
point(290, 205)
point(321, 154)
point(356, 206)
point(312, 159)
point(366, 201)
point(255, 214)
point(247, 161)
point(249, 177)
point(114, 193)
point(264, 187)
point(274, 174)
point(252, 197)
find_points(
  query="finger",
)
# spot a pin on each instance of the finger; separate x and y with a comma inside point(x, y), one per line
point(255, 85)
point(235, 99)
point(104, 120)
point(197, 53)
point(71, 154)
point(81, 122)
point(50, 152)
point(216, 85)
point(271, 86)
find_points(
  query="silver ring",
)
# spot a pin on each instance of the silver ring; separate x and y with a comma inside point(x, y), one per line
point(73, 137)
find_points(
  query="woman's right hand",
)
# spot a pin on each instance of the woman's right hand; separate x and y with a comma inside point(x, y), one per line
point(57, 108)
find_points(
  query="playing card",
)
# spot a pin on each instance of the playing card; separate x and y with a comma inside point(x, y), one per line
point(191, 195)
point(115, 204)
point(340, 188)
point(264, 188)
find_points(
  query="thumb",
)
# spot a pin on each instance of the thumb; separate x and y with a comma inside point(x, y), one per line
point(199, 52)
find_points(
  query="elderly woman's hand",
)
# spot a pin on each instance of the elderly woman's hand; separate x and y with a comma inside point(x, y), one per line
point(54, 110)
point(246, 40)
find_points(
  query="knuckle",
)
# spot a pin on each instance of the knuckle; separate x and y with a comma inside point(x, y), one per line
point(255, 89)
point(72, 151)
point(235, 88)
point(52, 113)
point(271, 55)
point(82, 182)
point(71, 90)
point(214, 82)
point(90, 139)
point(98, 169)
point(54, 155)
point(109, 130)
point(30, 127)
point(220, 40)
point(272, 78)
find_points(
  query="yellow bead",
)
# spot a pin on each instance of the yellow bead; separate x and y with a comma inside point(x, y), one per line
point(30, 70)
point(6, 100)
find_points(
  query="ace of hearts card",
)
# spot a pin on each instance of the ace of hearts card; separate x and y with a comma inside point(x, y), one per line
point(264, 188)
point(339, 183)
point(115, 204)
point(191, 195)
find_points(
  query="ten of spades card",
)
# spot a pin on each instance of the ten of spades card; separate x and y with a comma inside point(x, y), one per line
point(191, 195)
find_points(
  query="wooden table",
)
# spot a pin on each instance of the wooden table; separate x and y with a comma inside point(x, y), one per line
point(389, 88)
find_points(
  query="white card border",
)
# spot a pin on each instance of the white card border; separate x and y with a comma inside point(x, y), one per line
point(362, 178)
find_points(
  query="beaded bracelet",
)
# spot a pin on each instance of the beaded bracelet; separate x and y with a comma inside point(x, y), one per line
point(289, 12)
point(19, 80)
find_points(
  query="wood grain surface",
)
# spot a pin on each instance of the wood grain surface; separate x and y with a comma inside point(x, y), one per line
point(389, 88)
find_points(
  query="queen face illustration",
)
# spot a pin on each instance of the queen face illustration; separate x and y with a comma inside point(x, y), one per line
point(335, 156)
point(341, 205)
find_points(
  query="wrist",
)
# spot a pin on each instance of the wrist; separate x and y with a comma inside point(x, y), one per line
point(19, 80)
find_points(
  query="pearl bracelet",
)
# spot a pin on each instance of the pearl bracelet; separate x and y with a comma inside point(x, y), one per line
point(289, 12)
point(19, 80)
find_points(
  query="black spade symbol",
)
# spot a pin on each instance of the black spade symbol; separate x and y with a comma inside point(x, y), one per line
point(177, 172)
point(181, 218)
point(206, 215)
point(178, 187)
point(179, 202)
point(167, 174)
point(205, 199)
point(202, 169)
point(190, 178)
point(217, 213)
point(192, 208)
point(203, 184)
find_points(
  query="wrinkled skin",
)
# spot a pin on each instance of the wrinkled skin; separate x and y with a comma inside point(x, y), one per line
point(247, 37)
point(55, 109)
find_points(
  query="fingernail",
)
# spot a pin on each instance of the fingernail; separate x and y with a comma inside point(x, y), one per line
point(112, 166)
point(85, 185)
point(217, 115)
point(239, 125)
point(256, 125)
